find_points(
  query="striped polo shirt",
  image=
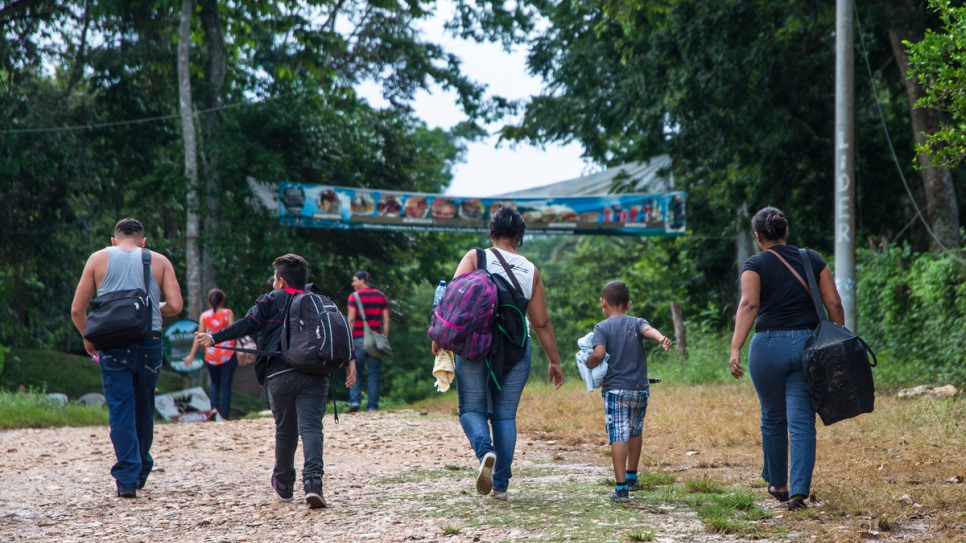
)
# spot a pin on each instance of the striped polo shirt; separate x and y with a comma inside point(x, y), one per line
point(374, 302)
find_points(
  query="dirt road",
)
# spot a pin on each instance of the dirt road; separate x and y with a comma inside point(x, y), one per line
point(389, 477)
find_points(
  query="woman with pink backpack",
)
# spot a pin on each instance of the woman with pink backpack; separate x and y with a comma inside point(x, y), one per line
point(489, 394)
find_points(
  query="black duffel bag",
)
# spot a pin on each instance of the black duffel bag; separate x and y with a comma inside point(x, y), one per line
point(838, 372)
point(121, 317)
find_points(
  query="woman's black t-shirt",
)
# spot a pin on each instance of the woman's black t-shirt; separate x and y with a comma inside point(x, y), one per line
point(784, 304)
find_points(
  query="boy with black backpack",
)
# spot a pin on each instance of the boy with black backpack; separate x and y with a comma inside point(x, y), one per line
point(297, 396)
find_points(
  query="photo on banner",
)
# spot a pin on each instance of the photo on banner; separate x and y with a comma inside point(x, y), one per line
point(319, 206)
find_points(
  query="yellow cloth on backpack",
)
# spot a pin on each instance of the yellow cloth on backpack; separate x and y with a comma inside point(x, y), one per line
point(444, 370)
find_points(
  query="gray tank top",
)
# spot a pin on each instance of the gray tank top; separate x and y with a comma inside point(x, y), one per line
point(125, 272)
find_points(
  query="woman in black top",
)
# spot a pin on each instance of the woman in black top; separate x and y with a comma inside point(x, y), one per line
point(786, 317)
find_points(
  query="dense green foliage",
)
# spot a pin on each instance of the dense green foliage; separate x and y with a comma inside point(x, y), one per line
point(738, 92)
point(938, 61)
point(912, 314)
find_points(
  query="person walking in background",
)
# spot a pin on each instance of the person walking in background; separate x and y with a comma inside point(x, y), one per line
point(776, 299)
point(129, 372)
point(482, 404)
point(221, 362)
point(375, 307)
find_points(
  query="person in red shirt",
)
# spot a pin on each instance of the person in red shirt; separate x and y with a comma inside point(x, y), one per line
point(376, 312)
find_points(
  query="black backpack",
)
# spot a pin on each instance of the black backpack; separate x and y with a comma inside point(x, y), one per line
point(509, 324)
point(315, 338)
point(838, 373)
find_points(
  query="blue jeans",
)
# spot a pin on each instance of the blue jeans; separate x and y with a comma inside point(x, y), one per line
point(129, 375)
point(221, 376)
point(373, 369)
point(482, 405)
point(775, 364)
point(298, 403)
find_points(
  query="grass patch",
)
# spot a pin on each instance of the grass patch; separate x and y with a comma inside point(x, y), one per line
point(703, 485)
point(863, 464)
point(641, 536)
point(651, 480)
point(450, 530)
point(32, 410)
point(414, 476)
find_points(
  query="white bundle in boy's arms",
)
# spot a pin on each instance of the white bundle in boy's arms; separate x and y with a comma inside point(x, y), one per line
point(593, 378)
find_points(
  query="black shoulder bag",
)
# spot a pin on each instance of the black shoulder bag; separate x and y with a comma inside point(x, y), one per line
point(121, 317)
point(838, 372)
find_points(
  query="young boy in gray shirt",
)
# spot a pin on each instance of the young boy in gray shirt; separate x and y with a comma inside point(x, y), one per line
point(625, 388)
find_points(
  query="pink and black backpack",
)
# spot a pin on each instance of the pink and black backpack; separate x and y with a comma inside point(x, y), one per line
point(463, 320)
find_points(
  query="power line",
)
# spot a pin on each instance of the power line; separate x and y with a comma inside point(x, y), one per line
point(885, 128)
point(136, 121)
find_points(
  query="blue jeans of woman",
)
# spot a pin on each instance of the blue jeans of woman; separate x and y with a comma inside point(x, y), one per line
point(374, 371)
point(129, 375)
point(787, 417)
point(482, 405)
point(221, 376)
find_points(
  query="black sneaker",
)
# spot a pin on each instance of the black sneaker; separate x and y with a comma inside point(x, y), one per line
point(285, 492)
point(620, 496)
point(314, 496)
point(633, 485)
point(353, 408)
point(127, 494)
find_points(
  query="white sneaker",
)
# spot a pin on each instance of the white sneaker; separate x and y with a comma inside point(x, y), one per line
point(484, 481)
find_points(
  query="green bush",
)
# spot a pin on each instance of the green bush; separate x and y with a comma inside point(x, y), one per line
point(911, 311)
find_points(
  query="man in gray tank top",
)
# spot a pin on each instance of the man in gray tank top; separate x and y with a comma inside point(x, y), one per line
point(129, 373)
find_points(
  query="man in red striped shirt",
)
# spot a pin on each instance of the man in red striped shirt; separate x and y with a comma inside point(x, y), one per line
point(376, 309)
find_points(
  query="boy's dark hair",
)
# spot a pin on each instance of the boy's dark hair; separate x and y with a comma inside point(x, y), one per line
point(507, 223)
point(215, 298)
point(770, 224)
point(364, 276)
point(129, 228)
point(293, 268)
point(270, 285)
point(616, 294)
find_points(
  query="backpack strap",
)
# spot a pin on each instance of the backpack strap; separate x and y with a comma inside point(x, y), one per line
point(509, 272)
point(807, 260)
point(480, 259)
point(285, 328)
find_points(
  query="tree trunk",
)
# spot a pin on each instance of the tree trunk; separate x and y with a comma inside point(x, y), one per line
point(215, 79)
point(192, 256)
point(941, 209)
point(679, 339)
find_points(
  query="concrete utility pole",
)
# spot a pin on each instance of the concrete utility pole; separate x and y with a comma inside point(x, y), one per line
point(845, 159)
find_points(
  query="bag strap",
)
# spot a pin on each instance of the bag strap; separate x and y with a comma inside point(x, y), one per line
point(146, 262)
point(335, 410)
point(251, 351)
point(506, 267)
point(362, 311)
point(791, 269)
point(807, 260)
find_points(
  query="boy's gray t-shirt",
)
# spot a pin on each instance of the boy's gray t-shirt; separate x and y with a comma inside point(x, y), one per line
point(627, 368)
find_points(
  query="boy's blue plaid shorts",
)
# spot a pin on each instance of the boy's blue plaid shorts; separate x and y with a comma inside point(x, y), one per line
point(624, 412)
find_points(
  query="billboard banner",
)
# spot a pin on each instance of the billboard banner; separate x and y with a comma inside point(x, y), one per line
point(318, 206)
